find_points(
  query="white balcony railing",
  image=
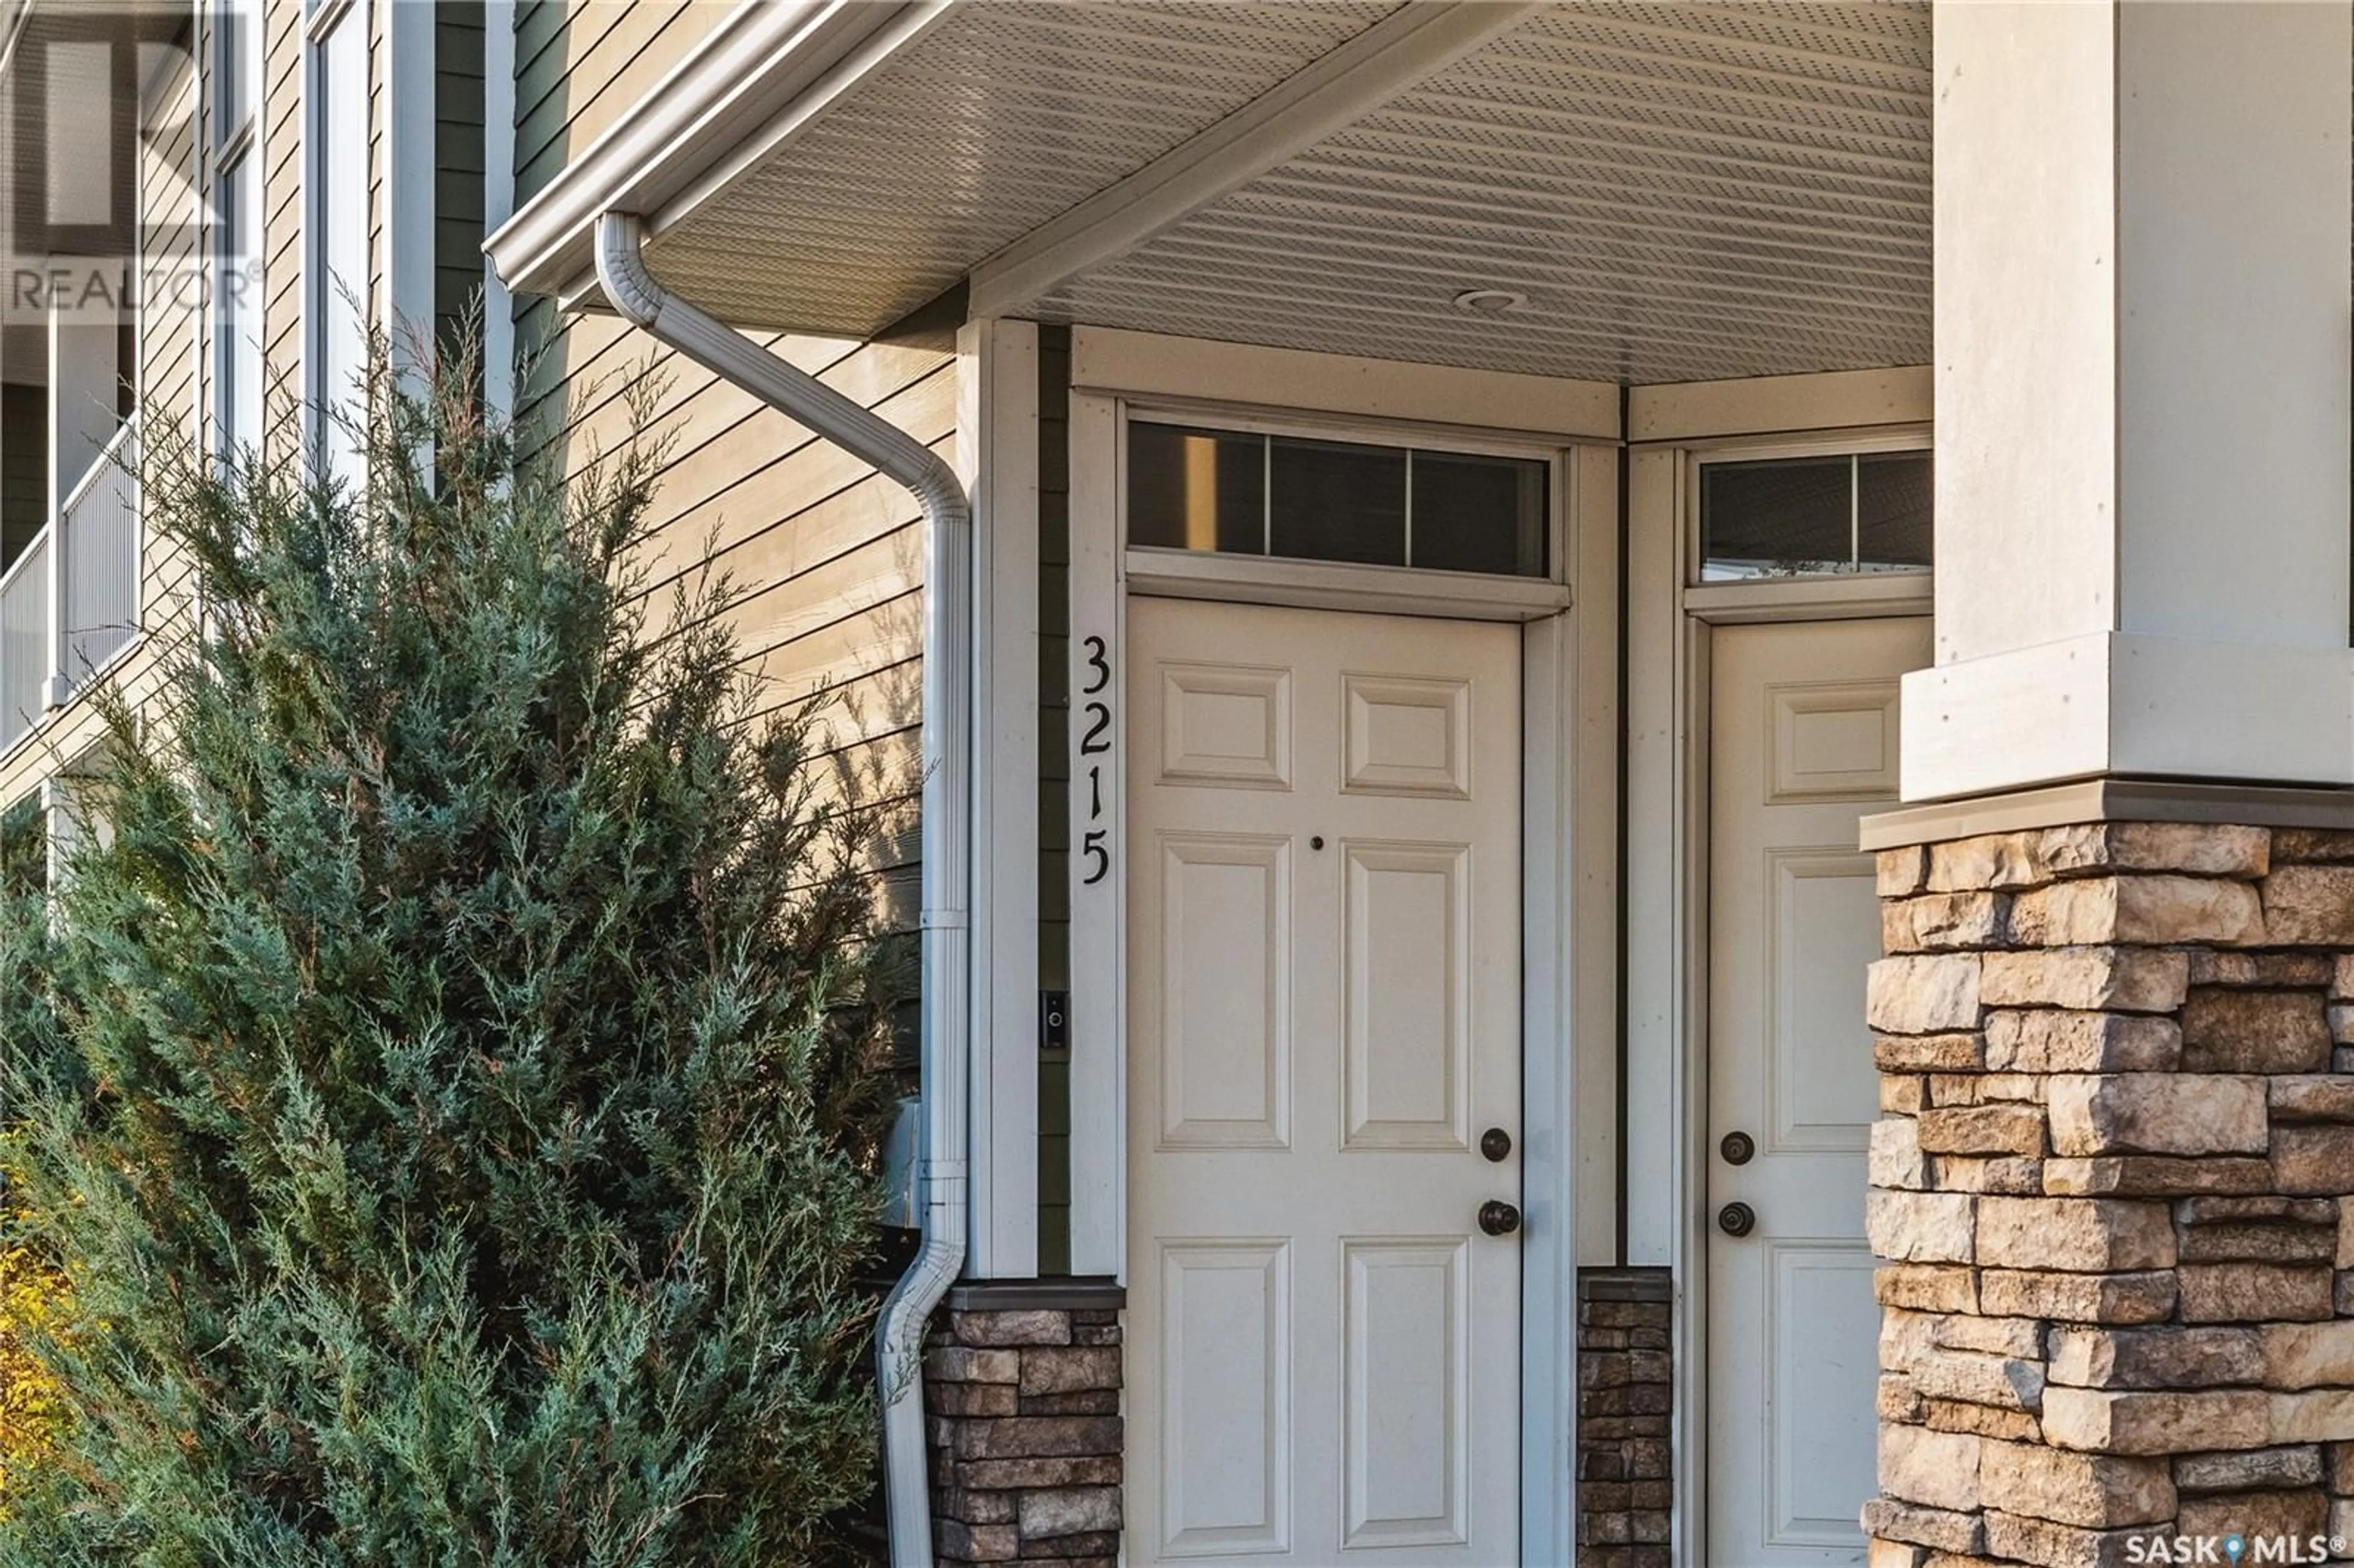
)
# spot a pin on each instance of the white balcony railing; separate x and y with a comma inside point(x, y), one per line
point(25, 640)
point(70, 602)
point(98, 526)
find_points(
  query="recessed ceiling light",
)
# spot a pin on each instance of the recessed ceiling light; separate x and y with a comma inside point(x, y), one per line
point(1489, 301)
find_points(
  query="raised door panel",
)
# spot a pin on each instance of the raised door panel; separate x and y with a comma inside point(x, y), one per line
point(1225, 725)
point(1821, 1329)
point(1406, 736)
point(1406, 1058)
point(1406, 1463)
point(1822, 928)
point(1833, 740)
point(1224, 985)
point(1225, 1398)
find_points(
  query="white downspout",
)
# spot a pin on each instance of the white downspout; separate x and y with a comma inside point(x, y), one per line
point(947, 844)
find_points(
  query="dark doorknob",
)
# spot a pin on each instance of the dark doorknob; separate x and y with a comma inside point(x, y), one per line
point(1737, 1219)
point(1496, 1143)
point(1499, 1218)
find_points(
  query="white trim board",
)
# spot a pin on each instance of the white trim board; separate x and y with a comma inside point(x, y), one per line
point(1569, 1002)
point(1590, 862)
point(1098, 1002)
point(997, 453)
point(1150, 365)
point(2113, 702)
point(1711, 410)
point(1551, 968)
point(752, 84)
point(1810, 598)
point(498, 201)
point(1334, 584)
point(411, 172)
point(2110, 800)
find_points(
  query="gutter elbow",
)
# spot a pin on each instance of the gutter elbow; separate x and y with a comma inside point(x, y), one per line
point(622, 268)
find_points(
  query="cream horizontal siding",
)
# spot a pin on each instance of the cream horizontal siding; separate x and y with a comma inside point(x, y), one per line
point(824, 555)
point(168, 325)
point(281, 184)
point(174, 353)
point(379, 138)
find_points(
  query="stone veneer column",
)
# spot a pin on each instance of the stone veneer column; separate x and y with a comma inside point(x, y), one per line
point(1625, 1391)
point(2109, 1187)
point(1025, 1427)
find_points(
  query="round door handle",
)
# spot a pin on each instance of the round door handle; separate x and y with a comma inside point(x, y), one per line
point(1496, 1144)
point(1738, 1148)
point(1737, 1219)
point(1499, 1218)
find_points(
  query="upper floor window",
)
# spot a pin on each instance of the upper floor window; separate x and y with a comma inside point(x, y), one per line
point(335, 182)
point(1301, 498)
point(1814, 515)
point(237, 61)
point(236, 117)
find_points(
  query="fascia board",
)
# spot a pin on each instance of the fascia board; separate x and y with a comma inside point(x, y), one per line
point(746, 90)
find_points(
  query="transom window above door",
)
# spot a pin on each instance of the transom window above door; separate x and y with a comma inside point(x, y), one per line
point(1242, 493)
point(1845, 512)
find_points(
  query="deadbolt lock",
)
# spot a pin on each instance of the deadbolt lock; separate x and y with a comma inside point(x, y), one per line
point(1738, 1148)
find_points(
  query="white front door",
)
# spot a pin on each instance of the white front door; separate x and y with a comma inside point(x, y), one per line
point(1802, 742)
point(1324, 979)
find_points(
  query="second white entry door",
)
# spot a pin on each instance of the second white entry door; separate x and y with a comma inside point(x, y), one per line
point(1324, 1025)
point(1802, 742)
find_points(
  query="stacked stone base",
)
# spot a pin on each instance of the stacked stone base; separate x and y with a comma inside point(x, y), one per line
point(1025, 1434)
point(2111, 1190)
point(1625, 1479)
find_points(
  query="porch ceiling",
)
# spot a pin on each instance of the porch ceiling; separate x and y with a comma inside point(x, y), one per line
point(1003, 115)
point(1678, 190)
point(1681, 192)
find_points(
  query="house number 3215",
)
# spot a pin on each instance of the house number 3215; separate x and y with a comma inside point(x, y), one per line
point(1095, 741)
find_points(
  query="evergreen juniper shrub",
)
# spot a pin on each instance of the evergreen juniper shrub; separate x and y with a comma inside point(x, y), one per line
point(449, 1069)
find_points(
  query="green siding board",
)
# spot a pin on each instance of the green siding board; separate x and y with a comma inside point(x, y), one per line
point(538, 25)
point(457, 161)
point(1054, 813)
point(458, 40)
point(1054, 785)
point(1055, 1171)
point(464, 145)
point(457, 191)
point(543, 129)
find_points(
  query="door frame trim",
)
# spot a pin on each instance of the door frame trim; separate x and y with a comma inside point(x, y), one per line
point(1567, 740)
point(1670, 636)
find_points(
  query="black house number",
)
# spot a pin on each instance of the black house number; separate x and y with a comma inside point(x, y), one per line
point(1096, 741)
